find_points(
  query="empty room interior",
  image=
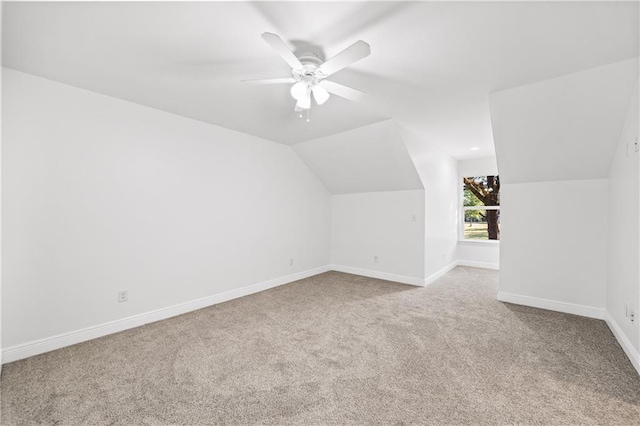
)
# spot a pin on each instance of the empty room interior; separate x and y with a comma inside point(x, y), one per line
point(320, 213)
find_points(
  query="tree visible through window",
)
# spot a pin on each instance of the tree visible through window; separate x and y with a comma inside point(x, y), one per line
point(481, 207)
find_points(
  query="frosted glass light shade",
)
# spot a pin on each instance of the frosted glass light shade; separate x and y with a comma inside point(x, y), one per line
point(299, 90)
point(320, 94)
point(305, 102)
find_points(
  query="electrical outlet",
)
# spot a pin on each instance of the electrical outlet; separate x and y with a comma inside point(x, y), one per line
point(123, 296)
point(291, 262)
point(375, 259)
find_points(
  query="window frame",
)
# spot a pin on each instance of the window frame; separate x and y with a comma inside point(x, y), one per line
point(464, 208)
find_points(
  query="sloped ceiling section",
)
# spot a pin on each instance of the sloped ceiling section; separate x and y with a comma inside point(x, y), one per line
point(565, 128)
point(431, 67)
point(367, 159)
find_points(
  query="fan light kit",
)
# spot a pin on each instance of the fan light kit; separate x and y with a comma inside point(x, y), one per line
point(309, 73)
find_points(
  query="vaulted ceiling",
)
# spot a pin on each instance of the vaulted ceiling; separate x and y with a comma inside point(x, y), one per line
point(432, 65)
point(367, 159)
point(563, 128)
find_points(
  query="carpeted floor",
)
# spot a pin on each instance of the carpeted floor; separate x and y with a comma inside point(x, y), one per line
point(339, 349)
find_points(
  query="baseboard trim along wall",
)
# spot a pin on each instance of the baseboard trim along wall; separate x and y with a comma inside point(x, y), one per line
point(380, 275)
point(403, 279)
point(552, 305)
point(483, 265)
point(433, 277)
point(625, 343)
point(36, 347)
point(585, 311)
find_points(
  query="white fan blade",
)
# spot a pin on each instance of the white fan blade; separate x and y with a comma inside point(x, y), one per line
point(351, 54)
point(342, 91)
point(320, 94)
point(282, 49)
point(271, 81)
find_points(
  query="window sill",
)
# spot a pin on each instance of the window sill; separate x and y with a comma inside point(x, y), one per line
point(480, 242)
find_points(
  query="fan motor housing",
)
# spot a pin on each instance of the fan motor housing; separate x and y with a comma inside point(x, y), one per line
point(310, 72)
point(309, 58)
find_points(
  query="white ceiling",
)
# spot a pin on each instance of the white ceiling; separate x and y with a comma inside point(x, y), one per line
point(432, 65)
point(367, 159)
point(563, 128)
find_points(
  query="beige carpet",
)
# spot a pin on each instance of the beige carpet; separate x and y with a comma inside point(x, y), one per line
point(339, 349)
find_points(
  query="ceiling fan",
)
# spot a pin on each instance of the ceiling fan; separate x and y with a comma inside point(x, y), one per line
point(309, 73)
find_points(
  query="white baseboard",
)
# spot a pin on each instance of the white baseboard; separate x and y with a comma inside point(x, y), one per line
point(40, 346)
point(627, 347)
point(380, 275)
point(431, 278)
point(483, 265)
point(410, 280)
point(552, 305)
point(36, 347)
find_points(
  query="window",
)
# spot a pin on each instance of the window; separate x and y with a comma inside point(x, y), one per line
point(481, 208)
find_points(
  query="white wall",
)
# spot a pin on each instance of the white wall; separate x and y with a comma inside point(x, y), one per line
point(387, 225)
point(439, 174)
point(101, 194)
point(554, 244)
point(477, 253)
point(623, 278)
point(578, 252)
point(441, 213)
point(1, 7)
